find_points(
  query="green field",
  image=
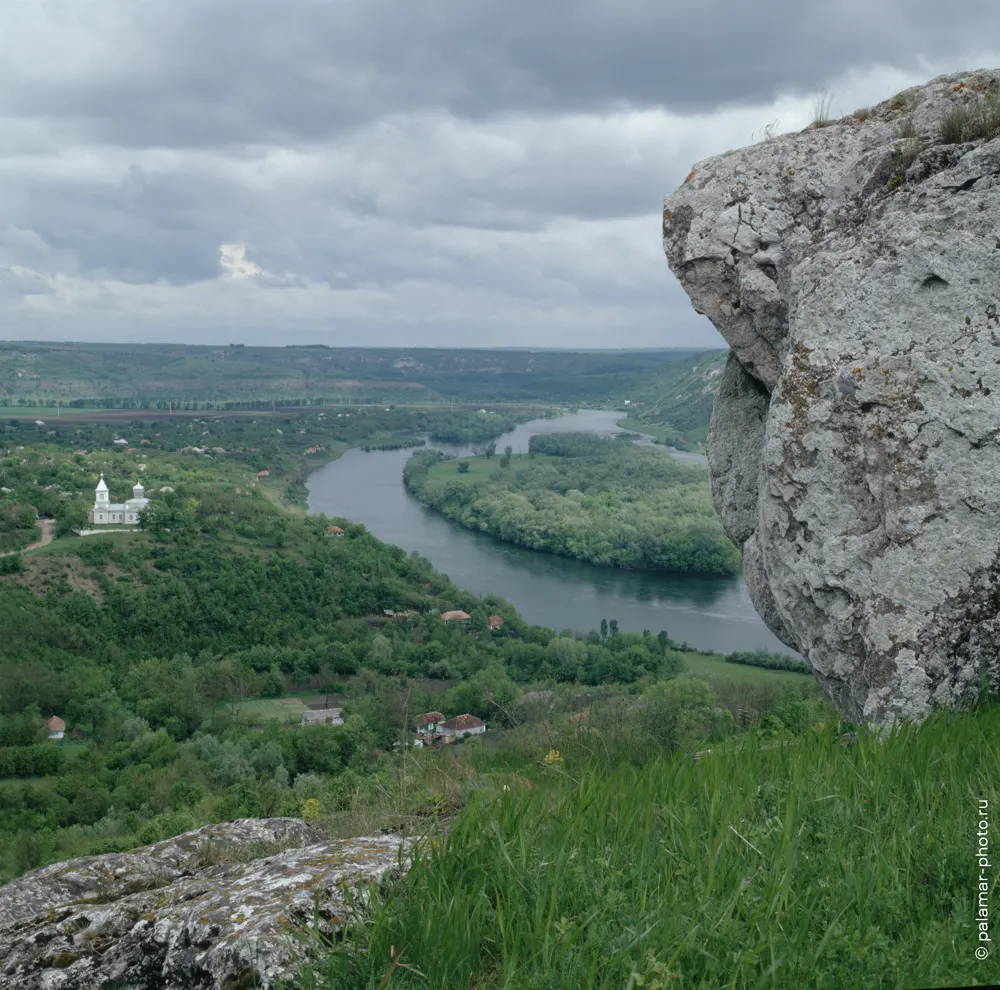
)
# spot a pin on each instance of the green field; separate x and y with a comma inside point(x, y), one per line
point(63, 545)
point(39, 378)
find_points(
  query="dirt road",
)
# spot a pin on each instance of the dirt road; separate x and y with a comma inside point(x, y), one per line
point(48, 532)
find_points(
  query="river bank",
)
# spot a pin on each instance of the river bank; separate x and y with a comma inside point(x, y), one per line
point(707, 613)
point(607, 502)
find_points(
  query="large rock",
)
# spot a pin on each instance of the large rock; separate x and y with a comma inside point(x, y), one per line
point(854, 451)
point(222, 907)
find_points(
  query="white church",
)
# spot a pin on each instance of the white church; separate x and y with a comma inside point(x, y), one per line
point(124, 513)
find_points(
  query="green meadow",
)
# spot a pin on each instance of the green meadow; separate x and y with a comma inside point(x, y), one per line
point(771, 864)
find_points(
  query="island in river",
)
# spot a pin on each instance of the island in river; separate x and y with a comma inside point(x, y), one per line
point(602, 500)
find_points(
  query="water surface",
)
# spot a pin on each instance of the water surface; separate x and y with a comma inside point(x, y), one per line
point(708, 613)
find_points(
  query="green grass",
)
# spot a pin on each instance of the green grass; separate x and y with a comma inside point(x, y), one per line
point(714, 667)
point(808, 866)
point(480, 468)
point(286, 709)
point(64, 545)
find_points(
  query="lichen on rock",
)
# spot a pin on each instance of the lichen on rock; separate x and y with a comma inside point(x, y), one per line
point(208, 909)
point(854, 451)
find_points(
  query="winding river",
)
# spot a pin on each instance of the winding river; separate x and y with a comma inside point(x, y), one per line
point(708, 613)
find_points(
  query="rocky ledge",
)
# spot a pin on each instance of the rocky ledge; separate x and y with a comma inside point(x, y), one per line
point(854, 451)
point(222, 907)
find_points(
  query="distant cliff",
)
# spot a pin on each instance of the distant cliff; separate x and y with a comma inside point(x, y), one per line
point(854, 269)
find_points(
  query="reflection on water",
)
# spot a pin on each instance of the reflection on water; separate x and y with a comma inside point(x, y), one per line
point(708, 613)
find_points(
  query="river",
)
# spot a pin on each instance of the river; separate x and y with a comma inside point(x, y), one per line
point(708, 613)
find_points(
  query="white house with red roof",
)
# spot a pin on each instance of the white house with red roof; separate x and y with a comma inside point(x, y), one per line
point(462, 725)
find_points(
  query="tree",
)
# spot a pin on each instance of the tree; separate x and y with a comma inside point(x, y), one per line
point(70, 516)
point(463, 467)
point(490, 449)
point(272, 684)
point(604, 628)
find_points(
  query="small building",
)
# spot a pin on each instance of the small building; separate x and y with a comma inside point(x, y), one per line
point(456, 615)
point(334, 531)
point(463, 725)
point(56, 727)
point(263, 474)
point(428, 722)
point(322, 716)
point(494, 622)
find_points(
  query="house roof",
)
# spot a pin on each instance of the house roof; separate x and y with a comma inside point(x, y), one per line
point(334, 529)
point(456, 613)
point(55, 724)
point(428, 718)
point(464, 722)
point(495, 621)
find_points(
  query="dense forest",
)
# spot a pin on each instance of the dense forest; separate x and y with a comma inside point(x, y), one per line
point(605, 501)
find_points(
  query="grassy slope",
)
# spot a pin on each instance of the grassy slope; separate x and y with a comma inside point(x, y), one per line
point(812, 866)
point(676, 399)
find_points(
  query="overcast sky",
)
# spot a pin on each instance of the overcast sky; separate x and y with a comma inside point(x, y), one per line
point(386, 172)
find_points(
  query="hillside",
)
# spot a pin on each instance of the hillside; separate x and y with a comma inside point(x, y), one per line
point(674, 402)
point(155, 375)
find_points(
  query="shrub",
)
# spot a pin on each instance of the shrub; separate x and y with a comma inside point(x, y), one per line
point(972, 121)
point(769, 661)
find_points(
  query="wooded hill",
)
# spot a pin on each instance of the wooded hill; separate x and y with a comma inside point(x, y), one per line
point(156, 375)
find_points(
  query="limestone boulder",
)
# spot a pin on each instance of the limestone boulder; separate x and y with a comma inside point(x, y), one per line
point(224, 906)
point(854, 451)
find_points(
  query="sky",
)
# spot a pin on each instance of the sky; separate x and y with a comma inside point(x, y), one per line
point(391, 173)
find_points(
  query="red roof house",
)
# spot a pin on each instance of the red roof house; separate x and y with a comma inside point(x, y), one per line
point(56, 727)
point(428, 718)
point(463, 725)
point(334, 531)
point(455, 615)
point(494, 622)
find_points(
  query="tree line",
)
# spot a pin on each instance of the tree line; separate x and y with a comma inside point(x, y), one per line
point(604, 501)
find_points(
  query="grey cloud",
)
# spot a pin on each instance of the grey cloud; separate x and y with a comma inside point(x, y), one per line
point(209, 72)
point(398, 172)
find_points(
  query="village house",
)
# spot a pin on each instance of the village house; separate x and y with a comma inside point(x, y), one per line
point(456, 615)
point(124, 513)
point(433, 729)
point(322, 716)
point(56, 727)
point(334, 531)
point(463, 725)
point(429, 721)
point(494, 622)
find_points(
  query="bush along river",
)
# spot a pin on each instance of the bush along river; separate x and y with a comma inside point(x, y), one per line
point(548, 590)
